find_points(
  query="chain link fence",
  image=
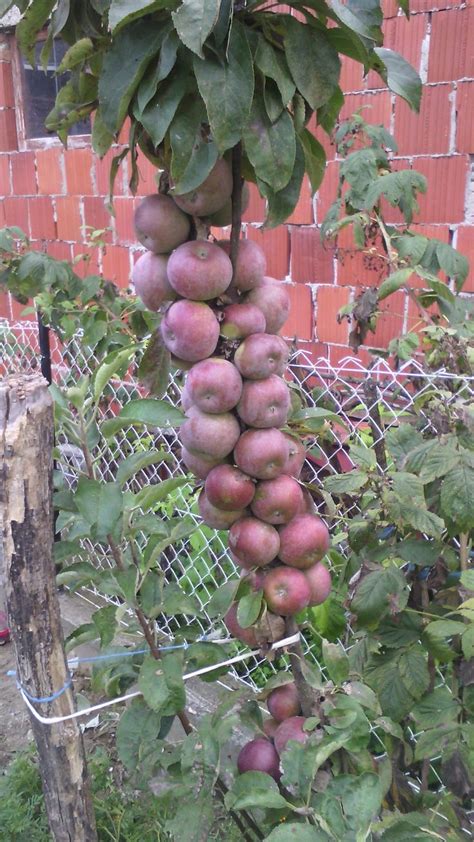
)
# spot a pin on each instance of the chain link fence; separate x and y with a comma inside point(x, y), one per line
point(368, 401)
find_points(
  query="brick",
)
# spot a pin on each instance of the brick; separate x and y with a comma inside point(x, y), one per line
point(42, 224)
point(441, 232)
point(97, 217)
point(5, 310)
point(102, 174)
point(8, 135)
point(406, 37)
point(124, 227)
point(323, 138)
point(389, 323)
point(313, 351)
point(451, 55)
point(276, 246)
point(338, 353)
point(5, 179)
point(415, 321)
point(465, 244)
point(256, 207)
point(23, 173)
point(433, 5)
point(465, 117)
point(303, 213)
point(18, 310)
point(356, 267)
point(445, 196)
point(427, 131)
point(7, 96)
point(69, 220)
point(116, 265)
point(16, 213)
point(147, 172)
point(79, 172)
point(327, 193)
point(59, 250)
point(300, 321)
point(49, 169)
point(375, 107)
point(311, 260)
point(352, 75)
point(329, 301)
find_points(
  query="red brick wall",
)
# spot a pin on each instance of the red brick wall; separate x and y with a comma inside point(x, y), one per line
point(53, 194)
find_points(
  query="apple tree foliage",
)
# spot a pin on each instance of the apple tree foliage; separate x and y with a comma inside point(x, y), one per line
point(389, 756)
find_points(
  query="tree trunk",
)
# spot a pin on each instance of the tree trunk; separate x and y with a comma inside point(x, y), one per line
point(26, 564)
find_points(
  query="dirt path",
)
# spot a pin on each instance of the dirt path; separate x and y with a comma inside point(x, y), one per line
point(15, 731)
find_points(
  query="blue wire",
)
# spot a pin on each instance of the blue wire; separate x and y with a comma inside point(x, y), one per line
point(92, 659)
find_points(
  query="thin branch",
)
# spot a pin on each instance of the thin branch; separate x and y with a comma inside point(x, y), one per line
point(464, 551)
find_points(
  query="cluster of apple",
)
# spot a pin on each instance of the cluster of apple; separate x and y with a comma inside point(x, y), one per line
point(221, 326)
point(285, 723)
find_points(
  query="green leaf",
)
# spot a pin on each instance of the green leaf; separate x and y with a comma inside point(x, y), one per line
point(400, 631)
point(291, 832)
point(467, 642)
point(137, 462)
point(413, 667)
point(393, 282)
point(162, 685)
point(151, 495)
point(248, 609)
point(176, 601)
point(105, 622)
point(349, 483)
point(222, 599)
point(365, 18)
point(151, 594)
point(383, 675)
point(194, 155)
point(194, 22)
point(437, 708)
point(457, 495)
point(315, 158)
point(445, 628)
point(152, 413)
point(280, 205)
point(313, 62)
point(272, 63)
point(438, 462)
point(122, 12)
point(315, 417)
point(401, 77)
point(467, 579)
point(301, 762)
point(270, 147)
point(255, 789)
point(65, 549)
point(77, 575)
point(76, 54)
point(31, 24)
point(159, 112)
point(102, 137)
point(453, 263)
point(153, 371)
point(336, 662)
point(137, 736)
point(114, 362)
point(378, 593)
point(402, 440)
point(436, 741)
point(328, 618)
point(399, 188)
point(227, 88)
point(123, 68)
point(100, 504)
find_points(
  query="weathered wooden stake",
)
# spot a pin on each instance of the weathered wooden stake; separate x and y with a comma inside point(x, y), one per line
point(26, 564)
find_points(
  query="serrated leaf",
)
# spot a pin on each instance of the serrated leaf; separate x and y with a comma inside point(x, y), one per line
point(362, 456)
point(248, 609)
point(383, 675)
point(399, 188)
point(270, 147)
point(255, 790)
point(401, 77)
point(445, 628)
point(194, 22)
point(162, 685)
point(395, 281)
point(227, 88)
point(457, 495)
point(137, 736)
point(438, 462)
point(453, 263)
point(349, 483)
point(402, 440)
point(436, 708)
point(176, 601)
point(123, 67)
point(378, 593)
point(335, 661)
point(435, 741)
point(413, 666)
point(328, 618)
point(313, 61)
point(400, 631)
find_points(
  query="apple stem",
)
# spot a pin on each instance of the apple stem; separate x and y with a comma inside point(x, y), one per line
point(305, 692)
point(236, 204)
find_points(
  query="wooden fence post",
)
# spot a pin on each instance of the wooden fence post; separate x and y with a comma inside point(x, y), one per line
point(26, 564)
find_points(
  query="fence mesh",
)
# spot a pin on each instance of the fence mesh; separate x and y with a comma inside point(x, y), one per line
point(368, 401)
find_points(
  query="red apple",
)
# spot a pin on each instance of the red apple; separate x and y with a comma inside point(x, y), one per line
point(228, 488)
point(290, 729)
point(286, 591)
point(284, 702)
point(319, 580)
point(304, 541)
point(259, 755)
point(235, 629)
